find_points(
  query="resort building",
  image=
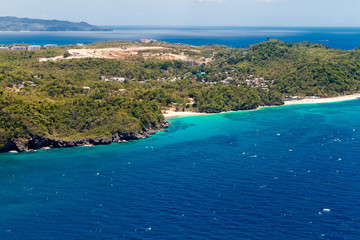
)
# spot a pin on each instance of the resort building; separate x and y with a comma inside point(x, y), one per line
point(49, 46)
point(148, 40)
point(34, 47)
point(4, 48)
point(18, 48)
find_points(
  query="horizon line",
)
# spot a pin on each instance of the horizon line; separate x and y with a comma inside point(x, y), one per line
point(212, 26)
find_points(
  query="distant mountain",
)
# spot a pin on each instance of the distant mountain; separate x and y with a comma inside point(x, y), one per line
point(27, 24)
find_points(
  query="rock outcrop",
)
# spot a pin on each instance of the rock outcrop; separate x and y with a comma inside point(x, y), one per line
point(33, 142)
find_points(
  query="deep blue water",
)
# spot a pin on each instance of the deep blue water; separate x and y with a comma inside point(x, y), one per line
point(266, 174)
point(343, 38)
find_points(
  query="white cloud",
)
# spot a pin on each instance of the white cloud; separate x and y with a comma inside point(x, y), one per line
point(211, 1)
point(220, 1)
point(268, 1)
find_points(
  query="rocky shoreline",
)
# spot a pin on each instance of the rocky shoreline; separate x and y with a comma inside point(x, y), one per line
point(34, 142)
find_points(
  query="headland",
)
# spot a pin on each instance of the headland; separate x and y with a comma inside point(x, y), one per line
point(106, 92)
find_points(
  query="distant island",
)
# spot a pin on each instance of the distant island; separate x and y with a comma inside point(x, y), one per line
point(28, 24)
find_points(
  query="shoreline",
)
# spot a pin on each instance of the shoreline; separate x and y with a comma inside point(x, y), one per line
point(168, 114)
point(173, 114)
point(323, 100)
point(37, 142)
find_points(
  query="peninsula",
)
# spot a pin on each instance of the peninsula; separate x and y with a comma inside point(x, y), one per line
point(116, 91)
point(28, 24)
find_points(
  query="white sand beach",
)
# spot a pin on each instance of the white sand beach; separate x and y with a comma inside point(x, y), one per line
point(323, 100)
point(173, 114)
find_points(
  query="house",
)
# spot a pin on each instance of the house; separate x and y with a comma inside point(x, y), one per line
point(190, 62)
point(290, 98)
point(50, 46)
point(211, 83)
point(4, 48)
point(86, 88)
point(243, 53)
point(34, 47)
point(80, 45)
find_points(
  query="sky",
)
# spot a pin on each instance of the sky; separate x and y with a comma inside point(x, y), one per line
point(297, 13)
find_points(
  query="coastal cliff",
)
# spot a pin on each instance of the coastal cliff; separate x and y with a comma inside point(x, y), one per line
point(34, 142)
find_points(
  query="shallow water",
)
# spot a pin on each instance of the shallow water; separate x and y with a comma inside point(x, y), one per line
point(288, 172)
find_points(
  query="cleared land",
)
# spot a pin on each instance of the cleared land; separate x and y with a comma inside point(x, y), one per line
point(157, 52)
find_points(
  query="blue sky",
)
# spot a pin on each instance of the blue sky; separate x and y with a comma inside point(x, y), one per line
point(191, 12)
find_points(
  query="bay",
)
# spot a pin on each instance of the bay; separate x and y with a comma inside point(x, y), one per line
point(289, 172)
point(343, 38)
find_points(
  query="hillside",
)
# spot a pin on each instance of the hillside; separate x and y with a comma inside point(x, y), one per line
point(303, 69)
point(119, 93)
point(27, 24)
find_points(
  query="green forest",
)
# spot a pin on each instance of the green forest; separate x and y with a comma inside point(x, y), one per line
point(69, 98)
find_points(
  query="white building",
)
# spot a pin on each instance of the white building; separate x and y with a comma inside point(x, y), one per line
point(117, 79)
point(4, 48)
point(34, 47)
point(49, 46)
point(18, 48)
point(80, 45)
point(148, 40)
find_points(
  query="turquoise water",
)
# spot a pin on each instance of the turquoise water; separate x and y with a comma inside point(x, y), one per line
point(288, 172)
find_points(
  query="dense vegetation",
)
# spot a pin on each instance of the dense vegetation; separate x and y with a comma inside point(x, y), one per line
point(69, 99)
point(305, 69)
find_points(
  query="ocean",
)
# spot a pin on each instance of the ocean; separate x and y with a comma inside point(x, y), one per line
point(343, 38)
point(288, 172)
